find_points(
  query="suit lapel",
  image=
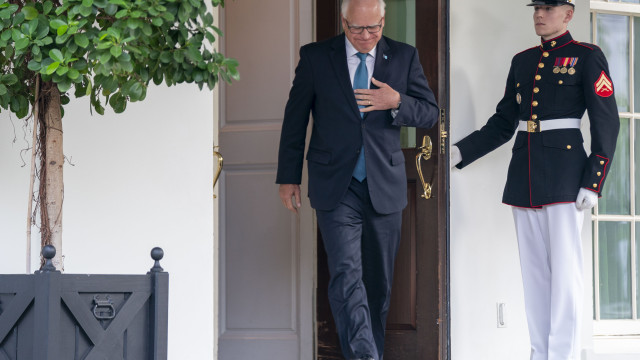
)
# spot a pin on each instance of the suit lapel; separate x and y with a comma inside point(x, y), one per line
point(339, 62)
point(383, 59)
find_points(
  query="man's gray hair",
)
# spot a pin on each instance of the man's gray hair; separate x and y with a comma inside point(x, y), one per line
point(345, 7)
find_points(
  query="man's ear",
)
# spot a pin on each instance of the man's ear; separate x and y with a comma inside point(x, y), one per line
point(569, 15)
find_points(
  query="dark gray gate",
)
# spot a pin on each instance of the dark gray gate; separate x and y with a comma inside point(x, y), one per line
point(54, 316)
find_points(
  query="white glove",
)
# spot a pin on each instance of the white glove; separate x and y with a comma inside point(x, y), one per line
point(455, 156)
point(586, 199)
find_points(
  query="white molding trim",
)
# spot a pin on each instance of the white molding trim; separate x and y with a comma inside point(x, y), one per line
point(615, 7)
point(618, 328)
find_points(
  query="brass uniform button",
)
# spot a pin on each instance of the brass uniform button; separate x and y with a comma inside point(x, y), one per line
point(568, 147)
point(599, 173)
point(536, 90)
point(538, 77)
point(534, 117)
point(541, 65)
point(545, 54)
point(595, 186)
point(535, 103)
point(560, 82)
point(601, 162)
point(518, 85)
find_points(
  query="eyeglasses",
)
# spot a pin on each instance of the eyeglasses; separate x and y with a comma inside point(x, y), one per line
point(372, 29)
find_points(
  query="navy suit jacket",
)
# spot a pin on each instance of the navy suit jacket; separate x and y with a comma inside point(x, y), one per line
point(323, 88)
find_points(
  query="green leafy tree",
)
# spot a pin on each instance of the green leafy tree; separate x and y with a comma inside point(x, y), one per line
point(109, 50)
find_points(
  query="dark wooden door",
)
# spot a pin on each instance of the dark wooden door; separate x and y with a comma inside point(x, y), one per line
point(418, 322)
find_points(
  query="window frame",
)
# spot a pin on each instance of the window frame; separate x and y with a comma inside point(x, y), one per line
point(626, 327)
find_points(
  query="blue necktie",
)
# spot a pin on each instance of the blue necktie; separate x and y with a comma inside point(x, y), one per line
point(360, 81)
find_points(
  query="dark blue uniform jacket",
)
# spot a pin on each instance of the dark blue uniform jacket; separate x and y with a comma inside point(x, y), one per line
point(561, 78)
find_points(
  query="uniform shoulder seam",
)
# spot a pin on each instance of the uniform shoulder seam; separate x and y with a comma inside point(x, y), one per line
point(523, 51)
point(588, 46)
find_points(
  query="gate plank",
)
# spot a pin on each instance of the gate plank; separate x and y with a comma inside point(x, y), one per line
point(14, 311)
point(104, 340)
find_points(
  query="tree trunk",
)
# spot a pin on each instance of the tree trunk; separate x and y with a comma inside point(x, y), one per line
point(51, 182)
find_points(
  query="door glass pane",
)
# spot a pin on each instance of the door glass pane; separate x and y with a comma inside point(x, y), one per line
point(616, 194)
point(400, 25)
point(614, 260)
point(613, 38)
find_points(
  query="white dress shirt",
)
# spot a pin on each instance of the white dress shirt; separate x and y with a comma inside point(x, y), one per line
point(353, 61)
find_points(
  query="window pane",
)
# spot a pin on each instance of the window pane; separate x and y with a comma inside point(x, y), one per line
point(638, 269)
point(616, 194)
point(636, 151)
point(613, 38)
point(636, 83)
point(614, 260)
point(631, 1)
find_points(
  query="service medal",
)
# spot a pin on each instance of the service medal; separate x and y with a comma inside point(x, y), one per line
point(519, 99)
point(573, 63)
point(564, 62)
point(556, 66)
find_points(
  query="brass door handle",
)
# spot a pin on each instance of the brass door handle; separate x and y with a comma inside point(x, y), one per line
point(219, 170)
point(424, 153)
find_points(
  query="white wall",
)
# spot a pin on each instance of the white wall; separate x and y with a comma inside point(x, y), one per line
point(141, 179)
point(485, 267)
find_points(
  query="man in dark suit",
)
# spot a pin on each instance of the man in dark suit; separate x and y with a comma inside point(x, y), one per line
point(361, 88)
point(551, 180)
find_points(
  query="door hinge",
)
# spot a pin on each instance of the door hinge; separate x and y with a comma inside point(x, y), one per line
point(443, 131)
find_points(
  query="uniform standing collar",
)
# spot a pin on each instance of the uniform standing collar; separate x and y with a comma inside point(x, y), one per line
point(557, 42)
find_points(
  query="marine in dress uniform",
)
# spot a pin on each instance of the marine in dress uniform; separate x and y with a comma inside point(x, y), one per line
point(551, 180)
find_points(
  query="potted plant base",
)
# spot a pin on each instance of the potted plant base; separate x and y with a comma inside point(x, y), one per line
point(55, 316)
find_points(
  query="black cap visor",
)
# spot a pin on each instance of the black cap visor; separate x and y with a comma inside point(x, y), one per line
point(550, 3)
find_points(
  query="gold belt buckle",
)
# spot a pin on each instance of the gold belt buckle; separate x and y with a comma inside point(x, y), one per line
point(532, 126)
